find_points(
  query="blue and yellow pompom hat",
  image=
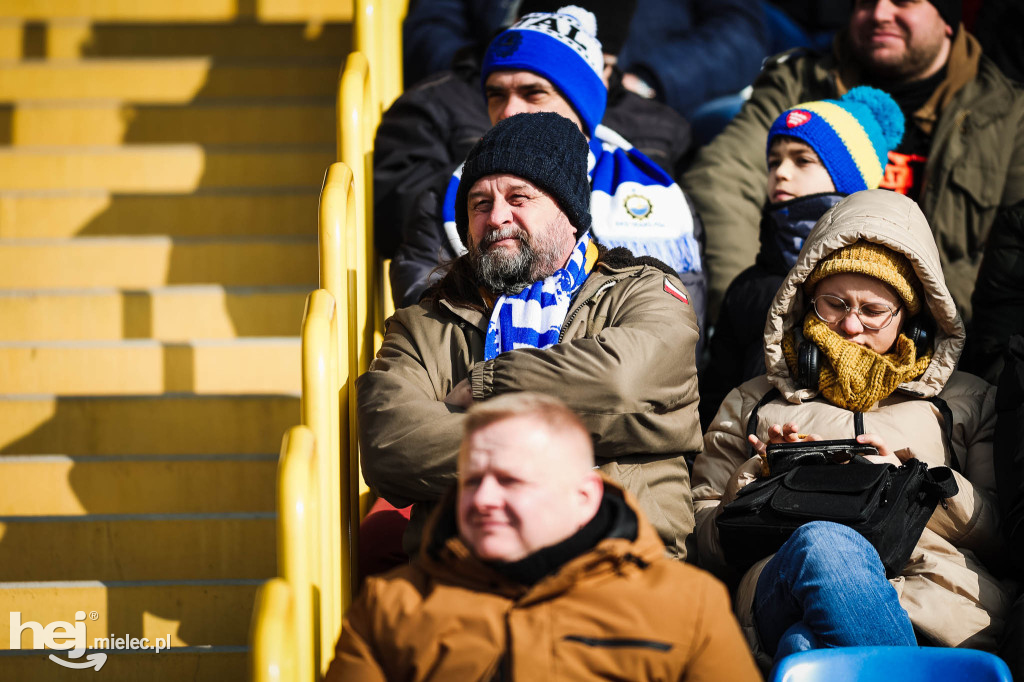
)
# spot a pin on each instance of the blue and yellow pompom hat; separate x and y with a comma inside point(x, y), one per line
point(851, 135)
point(561, 46)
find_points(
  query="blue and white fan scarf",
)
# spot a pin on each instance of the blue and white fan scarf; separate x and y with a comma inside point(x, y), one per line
point(633, 203)
point(533, 318)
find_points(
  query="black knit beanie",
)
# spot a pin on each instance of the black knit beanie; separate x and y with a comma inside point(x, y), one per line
point(544, 148)
point(951, 11)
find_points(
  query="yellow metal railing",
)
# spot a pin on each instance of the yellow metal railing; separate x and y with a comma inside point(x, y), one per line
point(273, 648)
point(338, 221)
point(298, 546)
point(320, 412)
point(321, 497)
point(357, 125)
point(378, 35)
point(369, 298)
point(337, 214)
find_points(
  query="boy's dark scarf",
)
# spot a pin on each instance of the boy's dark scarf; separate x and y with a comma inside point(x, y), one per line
point(785, 226)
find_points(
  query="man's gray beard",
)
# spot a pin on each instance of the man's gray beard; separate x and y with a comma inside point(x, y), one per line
point(505, 273)
point(502, 272)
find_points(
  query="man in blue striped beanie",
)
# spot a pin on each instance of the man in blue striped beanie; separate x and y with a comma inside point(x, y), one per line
point(552, 61)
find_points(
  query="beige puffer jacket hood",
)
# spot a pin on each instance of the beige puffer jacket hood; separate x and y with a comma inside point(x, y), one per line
point(886, 218)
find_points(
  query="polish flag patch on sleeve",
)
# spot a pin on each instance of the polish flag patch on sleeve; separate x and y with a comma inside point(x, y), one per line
point(676, 291)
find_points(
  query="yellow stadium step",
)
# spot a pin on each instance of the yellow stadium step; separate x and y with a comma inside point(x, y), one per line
point(196, 664)
point(77, 38)
point(293, 121)
point(58, 485)
point(138, 547)
point(191, 613)
point(144, 262)
point(147, 367)
point(204, 213)
point(161, 168)
point(181, 10)
point(157, 425)
point(176, 80)
point(175, 313)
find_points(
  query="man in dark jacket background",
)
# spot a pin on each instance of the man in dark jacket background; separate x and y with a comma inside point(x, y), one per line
point(962, 157)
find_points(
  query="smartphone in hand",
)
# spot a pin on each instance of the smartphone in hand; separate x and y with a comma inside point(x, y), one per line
point(781, 457)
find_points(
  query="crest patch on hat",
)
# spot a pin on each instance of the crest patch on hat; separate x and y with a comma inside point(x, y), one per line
point(507, 44)
point(797, 118)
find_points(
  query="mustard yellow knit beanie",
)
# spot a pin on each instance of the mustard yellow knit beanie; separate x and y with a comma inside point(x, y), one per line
point(874, 260)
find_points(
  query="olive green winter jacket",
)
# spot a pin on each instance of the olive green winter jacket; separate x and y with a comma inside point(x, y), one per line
point(625, 365)
point(976, 163)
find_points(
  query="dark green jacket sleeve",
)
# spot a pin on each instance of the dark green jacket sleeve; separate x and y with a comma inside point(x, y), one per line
point(998, 299)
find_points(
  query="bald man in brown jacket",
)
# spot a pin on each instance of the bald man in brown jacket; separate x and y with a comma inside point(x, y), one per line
point(539, 568)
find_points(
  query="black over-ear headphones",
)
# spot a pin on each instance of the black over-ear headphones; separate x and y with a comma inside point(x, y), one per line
point(919, 329)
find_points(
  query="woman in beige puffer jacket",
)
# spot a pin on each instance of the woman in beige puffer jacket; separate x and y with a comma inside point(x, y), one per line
point(892, 397)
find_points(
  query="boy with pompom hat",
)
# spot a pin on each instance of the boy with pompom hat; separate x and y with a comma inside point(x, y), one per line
point(817, 153)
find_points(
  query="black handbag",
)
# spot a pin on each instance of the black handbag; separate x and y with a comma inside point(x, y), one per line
point(889, 506)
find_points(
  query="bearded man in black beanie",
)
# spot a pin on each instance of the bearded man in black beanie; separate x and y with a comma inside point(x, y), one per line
point(537, 305)
point(961, 159)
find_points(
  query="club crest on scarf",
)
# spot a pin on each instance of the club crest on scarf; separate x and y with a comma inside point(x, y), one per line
point(638, 207)
point(533, 318)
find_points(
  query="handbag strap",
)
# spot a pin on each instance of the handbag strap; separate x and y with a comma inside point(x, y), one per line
point(752, 421)
point(944, 485)
point(947, 429)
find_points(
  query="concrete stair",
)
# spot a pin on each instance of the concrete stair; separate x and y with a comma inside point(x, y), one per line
point(153, 261)
point(180, 11)
point(97, 123)
point(168, 313)
point(160, 166)
point(233, 211)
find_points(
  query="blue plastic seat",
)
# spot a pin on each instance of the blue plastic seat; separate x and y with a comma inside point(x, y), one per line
point(906, 664)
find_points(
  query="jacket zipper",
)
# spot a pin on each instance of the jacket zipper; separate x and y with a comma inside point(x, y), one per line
point(619, 642)
point(579, 307)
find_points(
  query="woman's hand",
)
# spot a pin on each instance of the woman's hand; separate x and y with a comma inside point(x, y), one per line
point(744, 474)
point(885, 455)
point(787, 433)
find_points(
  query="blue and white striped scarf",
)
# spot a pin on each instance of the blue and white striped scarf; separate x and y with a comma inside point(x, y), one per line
point(533, 318)
point(633, 203)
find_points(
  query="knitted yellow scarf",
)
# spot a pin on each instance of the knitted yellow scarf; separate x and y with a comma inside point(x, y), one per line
point(852, 376)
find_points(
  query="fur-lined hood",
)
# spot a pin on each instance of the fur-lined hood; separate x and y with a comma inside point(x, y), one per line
point(886, 218)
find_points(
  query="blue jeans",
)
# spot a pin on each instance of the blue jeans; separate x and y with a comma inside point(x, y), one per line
point(826, 587)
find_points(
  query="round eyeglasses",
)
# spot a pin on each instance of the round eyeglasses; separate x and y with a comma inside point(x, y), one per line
point(874, 316)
